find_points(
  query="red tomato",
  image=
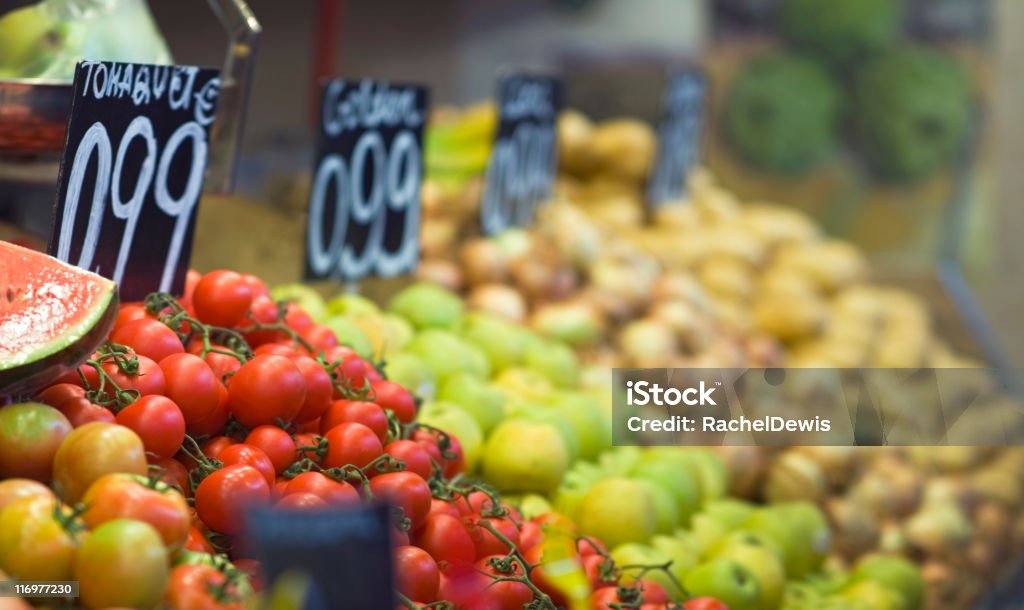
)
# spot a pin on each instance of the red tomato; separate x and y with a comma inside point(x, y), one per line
point(213, 446)
point(413, 455)
point(318, 389)
point(530, 535)
point(319, 484)
point(197, 542)
point(276, 443)
point(296, 318)
point(80, 411)
point(173, 473)
point(390, 395)
point(486, 543)
point(215, 421)
point(417, 574)
point(653, 592)
point(158, 422)
point(305, 439)
point(508, 595)
point(121, 496)
point(198, 587)
point(320, 337)
point(258, 287)
point(399, 537)
point(603, 598)
point(464, 586)
point(443, 507)
point(149, 379)
point(222, 298)
point(130, 312)
point(367, 413)
point(192, 278)
point(149, 338)
point(704, 603)
point(538, 575)
point(351, 369)
point(351, 443)
point(248, 455)
point(276, 348)
point(191, 384)
point(591, 546)
point(450, 466)
point(301, 501)
point(266, 390)
point(592, 566)
point(222, 497)
point(222, 365)
point(406, 490)
point(58, 393)
point(446, 539)
point(264, 311)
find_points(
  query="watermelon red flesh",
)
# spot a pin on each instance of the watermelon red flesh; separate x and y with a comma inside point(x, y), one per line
point(52, 317)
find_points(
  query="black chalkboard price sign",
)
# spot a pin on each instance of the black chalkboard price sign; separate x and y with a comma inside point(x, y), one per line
point(132, 172)
point(522, 166)
point(364, 206)
point(679, 131)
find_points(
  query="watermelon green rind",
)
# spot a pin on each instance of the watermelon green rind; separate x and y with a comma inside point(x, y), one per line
point(52, 317)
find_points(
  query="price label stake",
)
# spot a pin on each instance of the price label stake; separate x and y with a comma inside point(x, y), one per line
point(679, 131)
point(132, 172)
point(364, 206)
point(521, 169)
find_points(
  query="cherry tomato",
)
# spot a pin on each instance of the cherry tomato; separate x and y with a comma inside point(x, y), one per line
point(320, 337)
point(148, 380)
point(319, 484)
point(58, 393)
point(215, 421)
point(222, 365)
point(417, 574)
point(199, 587)
point(507, 595)
point(130, 312)
point(413, 455)
point(301, 501)
point(81, 411)
point(390, 395)
point(191, 384)
point(443, 507)
point(591, 546)
point(150, 338)
point(213, 446)
point(351, 443)
point(367, 413)
point(318, 389)
point(446, 539)
point(34, 544)
point(704, 603)
point(451, 465)
point(222, 497)
point(222, 298)
point(30, 434)
point(263, 311)
point(174, 473)
point(351, 369)
point(242, 453)
point(406, 490)
point(122, 563)
point(89, 452)
point(310, 427)
point(487, 543)
point(197, 542)
point(305, 439)
point(276, 443)
point(464, 586)
point(16, 489)
point(530, 535)
point(592, 566)
point(266, 390)
point(121, 496)
point(296, 318)
point(192, 278)
point(276, 348)
point(158, 422)
point(604, 597)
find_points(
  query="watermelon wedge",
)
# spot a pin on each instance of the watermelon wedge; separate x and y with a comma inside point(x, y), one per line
point(52, 317)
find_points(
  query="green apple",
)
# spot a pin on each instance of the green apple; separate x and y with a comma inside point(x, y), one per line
point(666, 512)
point(717, 519)
point(524, 384)
point(726, 580)
point(503, 342)
point(533, 505)
point(351, 305)
point(799, 529)
point(635, 554)
point(620, 461)
point(681, 550)
point(525, 456)
point(476, 397)
point(555, 360)
point(680, 483)
point(549, 416)
point(304, 296)
point(873, 595)
point(387, 333)
point(897, 573)
point(766, 567)
point(447, 354)
point(575, 485)
point(745, 538)
point(351, 335)
point(707, 467)
point(587, 418)
point(427, 306)
point(409, 371)
point(616, 511)
point(802, 596)
point(453, 420)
